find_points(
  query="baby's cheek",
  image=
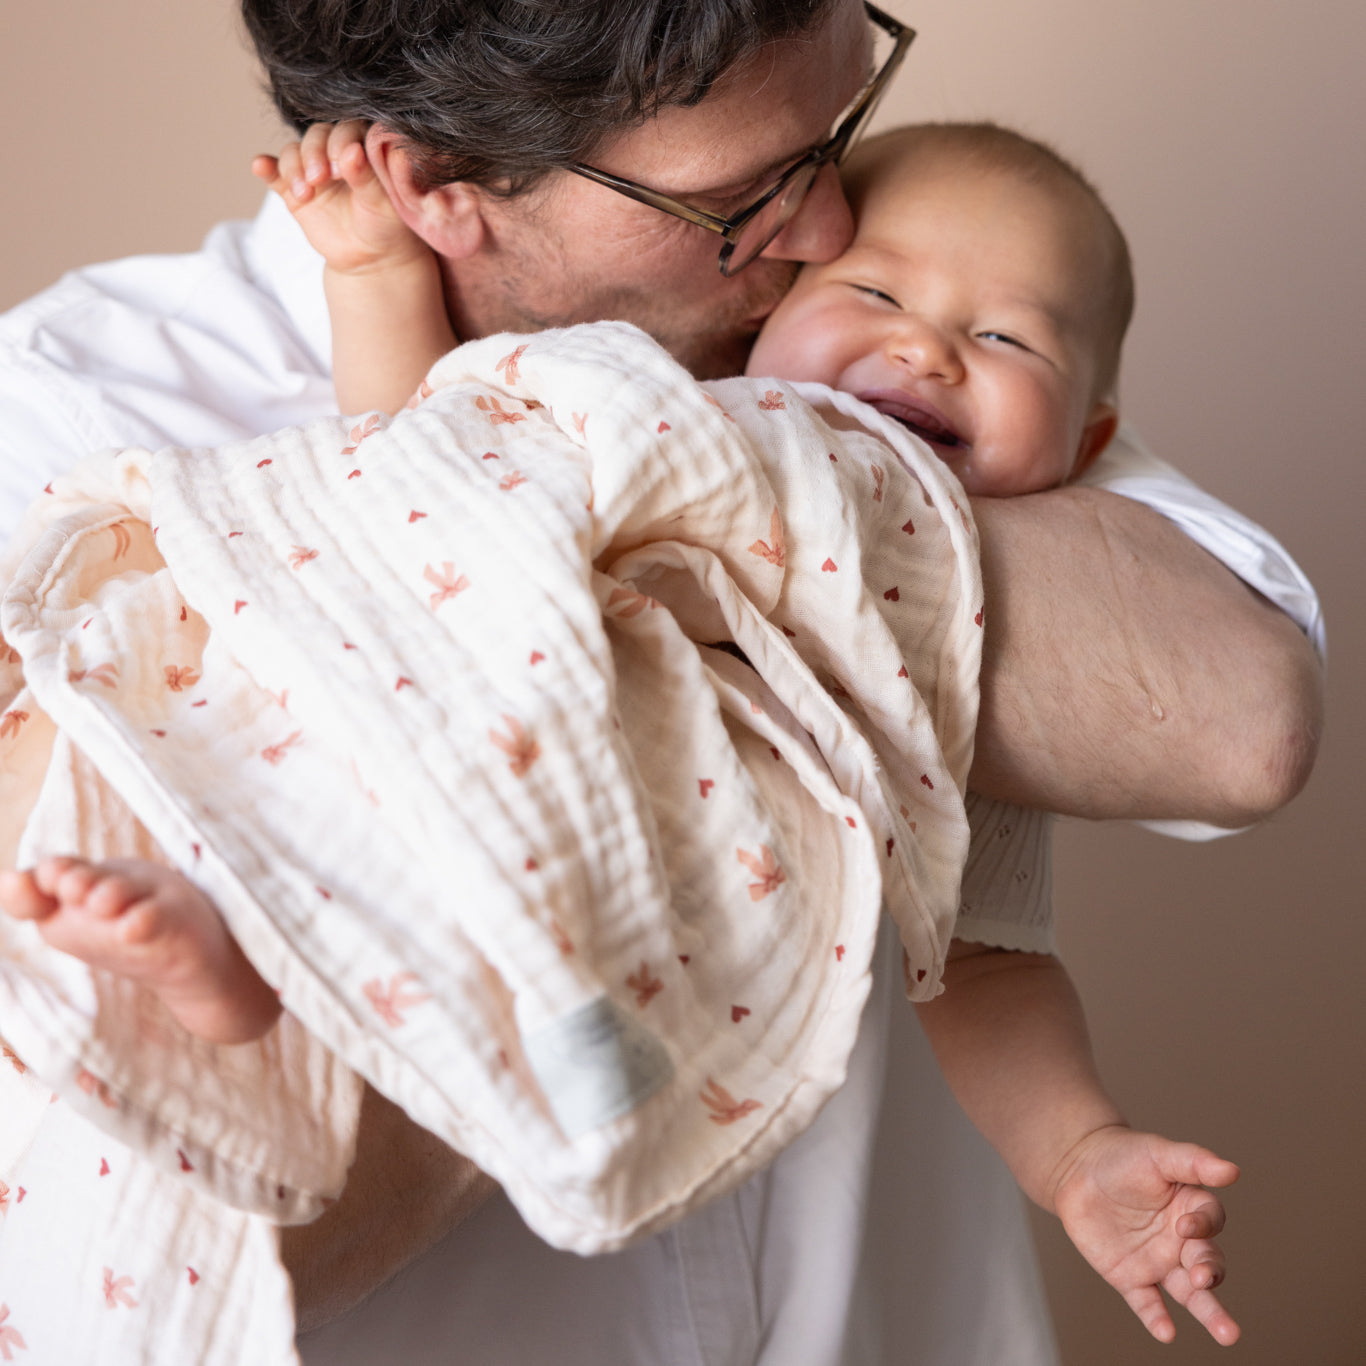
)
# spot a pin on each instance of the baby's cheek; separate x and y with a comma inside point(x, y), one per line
point(758, 356)
point(804, 338)
point(771, 355)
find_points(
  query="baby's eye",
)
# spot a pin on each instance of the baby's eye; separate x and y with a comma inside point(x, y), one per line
point(876, 293)
point(1006, 338)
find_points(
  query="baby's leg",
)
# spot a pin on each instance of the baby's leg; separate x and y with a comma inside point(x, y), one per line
point(146, 922)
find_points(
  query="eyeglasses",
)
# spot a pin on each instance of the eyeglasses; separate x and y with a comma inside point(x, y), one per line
point(748, 232)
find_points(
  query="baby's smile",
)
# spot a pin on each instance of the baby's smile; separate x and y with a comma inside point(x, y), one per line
point(918, 417)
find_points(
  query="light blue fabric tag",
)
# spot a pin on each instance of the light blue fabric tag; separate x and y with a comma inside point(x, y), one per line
point(596, 1064)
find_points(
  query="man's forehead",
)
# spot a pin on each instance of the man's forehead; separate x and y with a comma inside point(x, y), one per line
point(759, 118)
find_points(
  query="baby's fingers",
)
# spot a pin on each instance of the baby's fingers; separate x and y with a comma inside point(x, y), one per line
point(284, 174)
point(1188, 1164)
point(346, 152)
point(313, 154)
point(1206, 1220)
point(267, 169)
point(1204, 1307)
point(1204, 1263)
point(1147, 1303)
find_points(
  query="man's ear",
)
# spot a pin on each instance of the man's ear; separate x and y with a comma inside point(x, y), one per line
point(448, 218)
point(1101, 424)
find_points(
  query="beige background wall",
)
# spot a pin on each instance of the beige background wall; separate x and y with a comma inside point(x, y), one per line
point(1224, 983)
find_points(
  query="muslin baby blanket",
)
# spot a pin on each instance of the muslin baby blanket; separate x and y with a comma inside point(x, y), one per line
point(552, 748)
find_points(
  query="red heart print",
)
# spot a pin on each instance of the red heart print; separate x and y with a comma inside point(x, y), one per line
point(738, 1013)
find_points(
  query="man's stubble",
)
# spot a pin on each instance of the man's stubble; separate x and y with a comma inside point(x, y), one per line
point(536, 286)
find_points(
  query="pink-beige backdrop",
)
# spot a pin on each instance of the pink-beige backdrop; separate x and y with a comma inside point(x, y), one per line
point(1223, 982)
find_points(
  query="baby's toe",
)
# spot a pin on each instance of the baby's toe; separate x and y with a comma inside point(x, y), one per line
point(141, 923)
point(22, 898)
point(111, 895)
point(70, 880)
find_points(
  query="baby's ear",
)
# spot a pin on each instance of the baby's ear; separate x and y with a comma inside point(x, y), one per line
point(1101, 424)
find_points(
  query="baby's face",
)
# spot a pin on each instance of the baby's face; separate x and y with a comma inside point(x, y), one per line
point(967, 309)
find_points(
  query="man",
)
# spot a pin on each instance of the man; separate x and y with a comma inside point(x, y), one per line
point(530, 144)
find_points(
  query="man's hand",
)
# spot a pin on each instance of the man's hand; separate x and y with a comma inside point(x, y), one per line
point(1126, 673)
point(1135, 1207)
point(405, 1192)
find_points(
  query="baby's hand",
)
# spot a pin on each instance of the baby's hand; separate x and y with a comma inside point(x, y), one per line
point(328, 184)
point(1135, 1206)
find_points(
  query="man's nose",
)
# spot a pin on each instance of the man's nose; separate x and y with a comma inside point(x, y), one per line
point(821, 229)
point(925, 349)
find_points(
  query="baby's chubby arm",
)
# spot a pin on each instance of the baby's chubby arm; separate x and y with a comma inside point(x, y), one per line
point(383, 283)
point(1011, 1039)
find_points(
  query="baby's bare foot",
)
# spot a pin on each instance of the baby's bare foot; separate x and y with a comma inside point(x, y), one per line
point(146, 922)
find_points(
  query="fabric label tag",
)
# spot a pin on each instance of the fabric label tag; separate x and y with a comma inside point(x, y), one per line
point(596, 1064)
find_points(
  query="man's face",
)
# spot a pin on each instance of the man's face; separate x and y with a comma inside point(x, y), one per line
point(965, 308)
point(574, 251)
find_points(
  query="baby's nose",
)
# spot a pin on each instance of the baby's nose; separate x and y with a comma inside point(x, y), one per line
point(926, 350)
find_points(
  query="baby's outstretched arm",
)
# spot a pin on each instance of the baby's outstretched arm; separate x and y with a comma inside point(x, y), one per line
point(1011, 1039)
point(147, 922)
point(383, 283)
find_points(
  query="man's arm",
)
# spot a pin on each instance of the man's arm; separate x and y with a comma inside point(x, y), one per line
point(406, 1190)
point(1127, 673)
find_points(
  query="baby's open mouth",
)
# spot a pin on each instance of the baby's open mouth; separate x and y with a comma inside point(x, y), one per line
point(918, 418)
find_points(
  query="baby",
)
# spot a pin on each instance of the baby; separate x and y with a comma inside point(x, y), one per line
point(982, 304)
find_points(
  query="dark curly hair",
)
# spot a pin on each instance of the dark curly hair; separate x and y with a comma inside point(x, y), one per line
point(498, 91)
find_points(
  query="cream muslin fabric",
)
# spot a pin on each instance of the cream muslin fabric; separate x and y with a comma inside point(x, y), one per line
point(434, 710)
